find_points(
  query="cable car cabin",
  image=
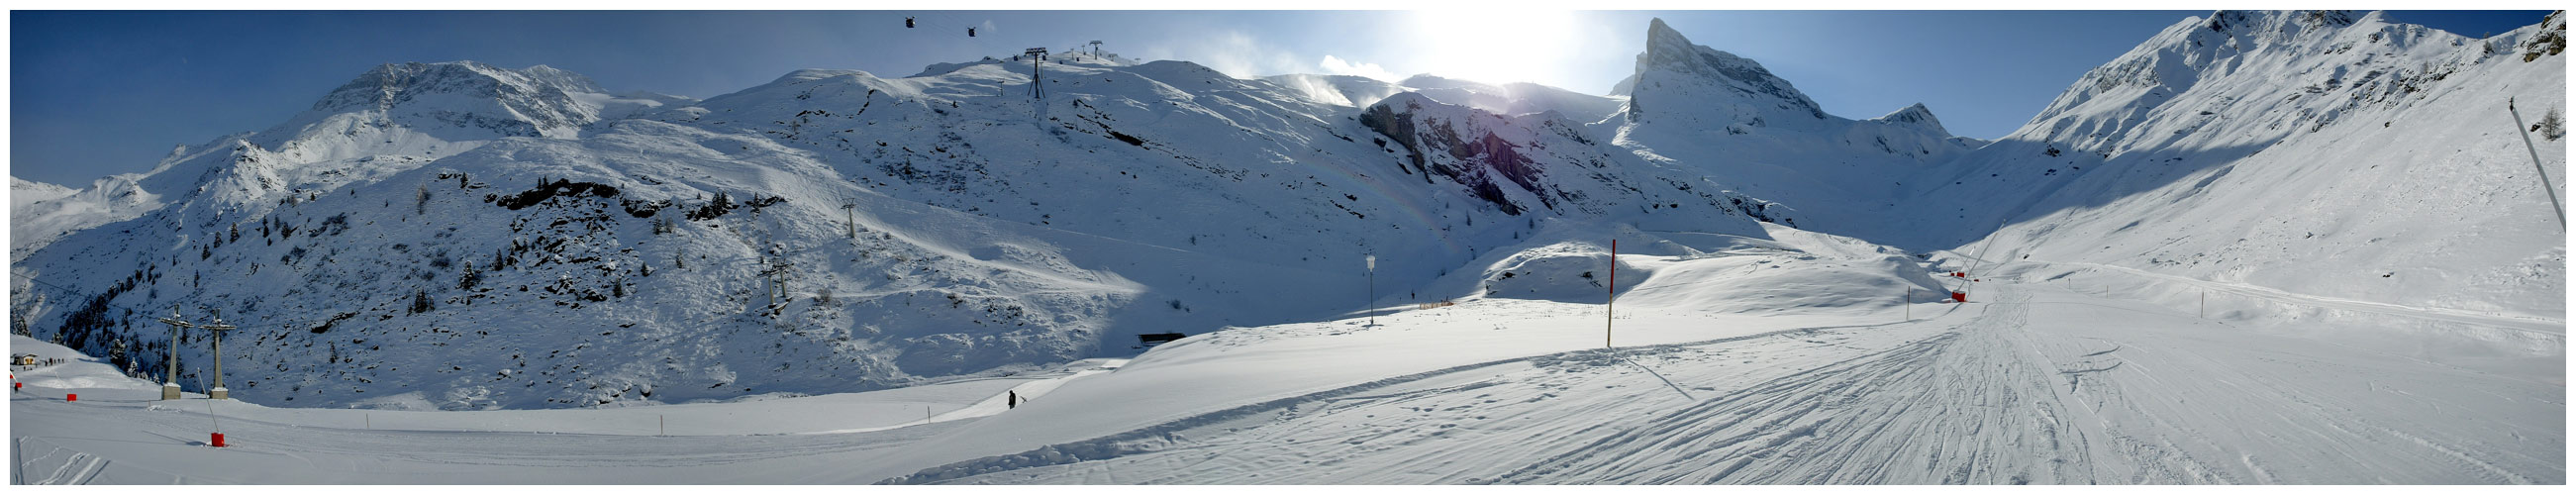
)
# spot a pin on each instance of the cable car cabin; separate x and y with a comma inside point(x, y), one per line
point(1155, 339)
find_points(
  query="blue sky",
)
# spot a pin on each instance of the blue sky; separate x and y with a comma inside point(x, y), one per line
point(98, 93)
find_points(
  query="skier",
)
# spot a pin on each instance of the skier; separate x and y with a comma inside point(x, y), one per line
point(1015, 399)
point(907, 23)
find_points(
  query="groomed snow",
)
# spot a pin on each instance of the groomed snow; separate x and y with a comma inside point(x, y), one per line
point(2038, 379)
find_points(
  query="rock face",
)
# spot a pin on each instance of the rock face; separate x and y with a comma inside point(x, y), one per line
point(1465, 145)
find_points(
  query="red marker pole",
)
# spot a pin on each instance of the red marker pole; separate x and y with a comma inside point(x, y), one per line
point(1610, 306)
point(217, 422)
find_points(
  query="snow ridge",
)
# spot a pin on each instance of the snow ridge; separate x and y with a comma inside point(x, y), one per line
point(2238, 148)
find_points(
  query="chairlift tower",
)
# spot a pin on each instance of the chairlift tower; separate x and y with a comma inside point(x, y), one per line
point(850, 216)
point(218, 328)
point(1037, 81)
point(170, 387)
point(1095, 48)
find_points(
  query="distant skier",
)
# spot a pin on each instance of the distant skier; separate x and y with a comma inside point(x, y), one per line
point(1015, 399)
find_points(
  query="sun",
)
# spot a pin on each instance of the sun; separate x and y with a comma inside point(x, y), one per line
point(1496, 46)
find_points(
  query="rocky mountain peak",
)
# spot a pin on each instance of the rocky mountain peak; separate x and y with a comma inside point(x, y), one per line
point(1672, 67)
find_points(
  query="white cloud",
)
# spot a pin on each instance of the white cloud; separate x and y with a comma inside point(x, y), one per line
point(1234, 53)
point(1337, 66)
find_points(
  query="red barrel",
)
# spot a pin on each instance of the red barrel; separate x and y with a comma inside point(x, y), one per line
point(71, 397)
point(219, 440)
point(1959, 296)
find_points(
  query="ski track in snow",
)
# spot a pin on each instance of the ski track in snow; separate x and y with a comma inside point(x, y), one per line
point(2044, 386)
point(2522, 323)
point(1986, 396)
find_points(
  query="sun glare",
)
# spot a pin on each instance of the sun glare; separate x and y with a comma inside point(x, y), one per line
point(1496, 46)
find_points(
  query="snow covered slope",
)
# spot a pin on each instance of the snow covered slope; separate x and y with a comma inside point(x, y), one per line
point(23, 192)
point(119, 432)
point(1725, 118)
point(829, 231)
point(2043, 386)
point(39, 213)
point(2331, 154)
point(388, 119)
point(1348, 91)
point(200, 199)
point(1507, 99)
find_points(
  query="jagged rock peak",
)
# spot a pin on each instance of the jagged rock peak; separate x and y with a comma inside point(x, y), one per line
point(2281, 21)
point(1668, 52)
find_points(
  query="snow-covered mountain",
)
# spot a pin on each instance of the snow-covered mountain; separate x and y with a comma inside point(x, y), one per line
point(1507, 99)
point(1742, 129)
point(520, 239)
point(41, 212)
point(1348, 91)
point(462, 236)
point(829, 231)
point(2327, 153)
point(23, 192)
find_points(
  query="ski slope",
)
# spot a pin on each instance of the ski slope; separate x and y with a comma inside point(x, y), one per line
point(2029, 382)
point(118, 432)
